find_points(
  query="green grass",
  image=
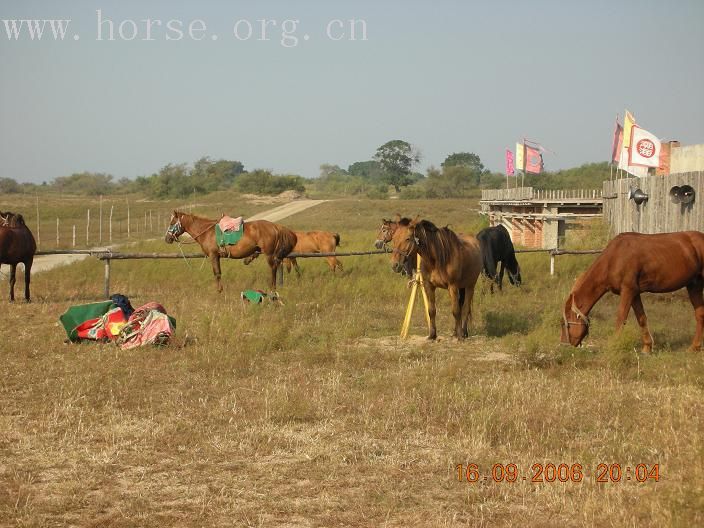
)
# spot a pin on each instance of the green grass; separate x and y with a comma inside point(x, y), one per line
point(314, 414)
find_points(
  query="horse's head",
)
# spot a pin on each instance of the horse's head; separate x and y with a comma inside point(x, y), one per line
point(175, 228)
point(385, 233)
point(405, 246)
point(514, 276)
point(575, 324)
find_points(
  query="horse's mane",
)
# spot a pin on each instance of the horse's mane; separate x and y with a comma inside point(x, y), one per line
point(439, 241)
point(196, 217)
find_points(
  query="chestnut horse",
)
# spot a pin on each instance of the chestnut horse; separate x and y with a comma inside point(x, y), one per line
point(448, 261)
point(311, 242)
point(16, 245)
point(274, 240)
point(631, 264)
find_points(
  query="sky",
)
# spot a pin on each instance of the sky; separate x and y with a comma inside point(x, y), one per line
point(444, 75)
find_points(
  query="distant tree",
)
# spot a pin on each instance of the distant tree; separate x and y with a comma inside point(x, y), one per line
point(264, 182)
point(327, 170)
point(449, 182)
point(216, 175)
point(467, 159)
point(397, 158)
point(9, 186)
point(91, 183)
point(470, 161)
point(369, 170)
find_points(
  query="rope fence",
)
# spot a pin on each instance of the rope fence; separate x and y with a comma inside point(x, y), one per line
point(107, 256)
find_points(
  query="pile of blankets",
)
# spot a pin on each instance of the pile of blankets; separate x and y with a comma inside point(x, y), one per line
point(116, 320)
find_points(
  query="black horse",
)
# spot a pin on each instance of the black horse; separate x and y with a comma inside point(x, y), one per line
point(16, 245)
point(497, 247)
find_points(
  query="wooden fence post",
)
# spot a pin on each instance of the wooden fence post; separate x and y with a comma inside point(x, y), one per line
point(57, 232)
point(552, 263)
point(74, 235)
point(88, 229)
point(111, 207)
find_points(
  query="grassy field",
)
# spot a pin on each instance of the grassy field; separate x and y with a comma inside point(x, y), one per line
point(315, 414)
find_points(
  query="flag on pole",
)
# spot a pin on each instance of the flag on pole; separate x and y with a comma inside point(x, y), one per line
point(624, 159)
point(534, 160)
point(510, 169)
point(617, 144)
point(645, 148)
point(520, 157)
point(628, 122)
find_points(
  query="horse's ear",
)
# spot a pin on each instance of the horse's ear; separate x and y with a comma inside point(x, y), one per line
point(397, 217)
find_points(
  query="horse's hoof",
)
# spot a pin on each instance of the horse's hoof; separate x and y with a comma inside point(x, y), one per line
point(694, 349)
point(28, 301)
point(432, 338)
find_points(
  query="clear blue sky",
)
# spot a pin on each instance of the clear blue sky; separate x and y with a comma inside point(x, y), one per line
point(444, 75)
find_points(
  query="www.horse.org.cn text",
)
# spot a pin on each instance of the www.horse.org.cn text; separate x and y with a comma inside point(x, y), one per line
point(287, 33)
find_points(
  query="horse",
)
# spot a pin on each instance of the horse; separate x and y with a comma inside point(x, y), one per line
point(497, 247)
point(274, 240)
point(17, 245)
point(311, 242)
point(633, 263)
point(385, 234)
point(449, 261)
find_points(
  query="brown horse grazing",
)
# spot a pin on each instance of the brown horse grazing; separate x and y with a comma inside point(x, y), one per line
point(311, 242)
point(16, 245)
point(274, 240)
point(449, 261)
point(633, 263)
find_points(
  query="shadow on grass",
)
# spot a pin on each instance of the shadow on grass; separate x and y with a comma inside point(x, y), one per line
point(499, 324)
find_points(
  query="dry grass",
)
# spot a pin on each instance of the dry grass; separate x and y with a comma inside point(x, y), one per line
point(313, 414)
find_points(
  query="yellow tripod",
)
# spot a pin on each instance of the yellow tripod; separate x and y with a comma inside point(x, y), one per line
point(418, 281)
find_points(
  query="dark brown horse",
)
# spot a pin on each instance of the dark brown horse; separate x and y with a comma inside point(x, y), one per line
point(274, 240)
point(16, 245)
point(311, 242)
point(631, 264)
point(449, 261)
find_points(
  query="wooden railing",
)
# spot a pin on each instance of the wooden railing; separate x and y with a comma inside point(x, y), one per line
point(530, 194)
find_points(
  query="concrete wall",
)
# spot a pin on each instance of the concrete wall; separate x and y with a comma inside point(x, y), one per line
point(686, 159)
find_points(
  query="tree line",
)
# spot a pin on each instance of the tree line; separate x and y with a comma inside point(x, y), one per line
point(393, 167)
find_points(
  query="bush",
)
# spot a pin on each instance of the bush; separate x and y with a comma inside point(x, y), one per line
point(378, 192)
point(264, 182)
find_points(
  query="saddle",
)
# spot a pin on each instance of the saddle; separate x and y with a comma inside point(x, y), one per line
point(229, 231)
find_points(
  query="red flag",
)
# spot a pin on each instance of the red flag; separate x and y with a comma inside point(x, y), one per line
point(534, 160)
point(617, 145)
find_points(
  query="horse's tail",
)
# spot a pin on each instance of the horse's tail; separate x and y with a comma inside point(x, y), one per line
point(336, 236)
point(286, 241)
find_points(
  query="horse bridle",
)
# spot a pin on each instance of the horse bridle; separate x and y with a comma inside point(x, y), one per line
point(581, 318)
point(175, 230)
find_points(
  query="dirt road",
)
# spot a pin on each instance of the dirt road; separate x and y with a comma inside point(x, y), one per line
point(47, 262)
point(286, 210)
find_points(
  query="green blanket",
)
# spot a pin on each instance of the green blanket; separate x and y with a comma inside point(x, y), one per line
point(228, 238)
point(76, 315)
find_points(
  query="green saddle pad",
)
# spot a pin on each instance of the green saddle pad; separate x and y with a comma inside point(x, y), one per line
point(228, 238)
